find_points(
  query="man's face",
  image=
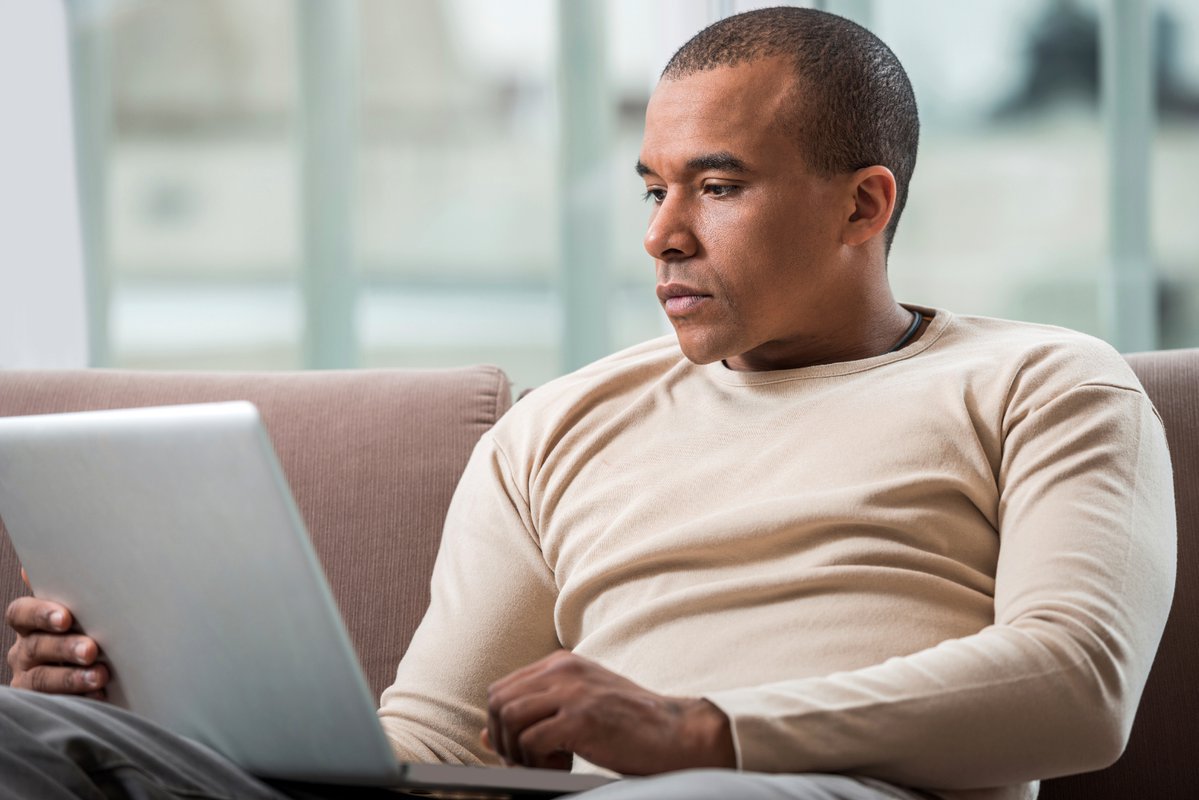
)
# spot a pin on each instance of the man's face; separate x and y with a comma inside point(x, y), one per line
point(745, 238)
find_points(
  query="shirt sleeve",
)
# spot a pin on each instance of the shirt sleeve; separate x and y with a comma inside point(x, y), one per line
point(491, 612)
point(1082, 588)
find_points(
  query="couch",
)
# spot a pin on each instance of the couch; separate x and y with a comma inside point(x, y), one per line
point(372, 457)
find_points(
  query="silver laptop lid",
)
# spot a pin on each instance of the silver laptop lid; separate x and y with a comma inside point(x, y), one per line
point(172, 534)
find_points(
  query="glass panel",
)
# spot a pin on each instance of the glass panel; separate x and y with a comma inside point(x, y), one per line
point(457, 201)
point(1008, 208)
point(458, 195)
point(1174, 202)
point(643, 37)
point(202, 185)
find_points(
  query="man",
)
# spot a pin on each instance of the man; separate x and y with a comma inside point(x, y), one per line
point(824, 544)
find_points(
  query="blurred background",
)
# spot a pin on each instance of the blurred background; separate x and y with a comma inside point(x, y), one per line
point(287, 184)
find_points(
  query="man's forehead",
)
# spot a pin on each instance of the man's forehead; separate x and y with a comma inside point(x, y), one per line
point(750, 94)
point(717, 119)
point(755, 80)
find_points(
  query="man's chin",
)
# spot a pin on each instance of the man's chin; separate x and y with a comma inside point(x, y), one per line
point(700, 353)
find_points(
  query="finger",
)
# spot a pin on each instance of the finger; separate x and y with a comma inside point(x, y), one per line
point(548, 744)
point(25, 579)
point(62, 680)
point(523, 683)
point(41, 649)
point(494, 733)
point(542, 674)
point(518, 714)
point(26, 615)
point(561, 672)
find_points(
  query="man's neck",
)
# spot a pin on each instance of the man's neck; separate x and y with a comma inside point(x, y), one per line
point(874, 331)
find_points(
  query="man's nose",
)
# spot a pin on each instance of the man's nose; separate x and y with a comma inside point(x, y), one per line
point(671, 234)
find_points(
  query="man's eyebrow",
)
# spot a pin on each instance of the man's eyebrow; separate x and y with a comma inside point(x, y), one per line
point(723, 161)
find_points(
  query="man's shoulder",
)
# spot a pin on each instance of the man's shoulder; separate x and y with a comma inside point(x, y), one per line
point(1037, 354)
point(630, 366)
point(601, 382)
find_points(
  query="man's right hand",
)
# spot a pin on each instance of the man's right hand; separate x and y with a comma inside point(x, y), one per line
point(48, 656)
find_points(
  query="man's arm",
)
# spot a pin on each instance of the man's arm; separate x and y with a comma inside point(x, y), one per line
point(491, 613)
point(485, 679)
point(1083, 586)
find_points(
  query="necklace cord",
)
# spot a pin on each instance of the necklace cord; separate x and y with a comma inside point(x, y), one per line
point(917, 318)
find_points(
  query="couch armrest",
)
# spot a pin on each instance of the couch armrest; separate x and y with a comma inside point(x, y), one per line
point(1160, 759)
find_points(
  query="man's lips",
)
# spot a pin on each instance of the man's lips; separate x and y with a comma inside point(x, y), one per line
point(678, 298)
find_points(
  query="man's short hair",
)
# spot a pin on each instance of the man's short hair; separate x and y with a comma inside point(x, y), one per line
point(853, 103)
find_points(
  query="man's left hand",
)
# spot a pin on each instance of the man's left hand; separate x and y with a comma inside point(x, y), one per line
point(564, 704)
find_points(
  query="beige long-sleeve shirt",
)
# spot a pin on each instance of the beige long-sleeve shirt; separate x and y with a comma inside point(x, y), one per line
point(946, 567)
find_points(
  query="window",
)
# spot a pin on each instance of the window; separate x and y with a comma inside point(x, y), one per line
point(441, 182)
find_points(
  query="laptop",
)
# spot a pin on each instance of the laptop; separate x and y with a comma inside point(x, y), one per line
point(172, 535)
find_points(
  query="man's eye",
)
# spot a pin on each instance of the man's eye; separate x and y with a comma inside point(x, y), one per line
point(720, 189)
point(655, 194)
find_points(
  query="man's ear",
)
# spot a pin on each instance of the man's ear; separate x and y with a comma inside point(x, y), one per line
point(874, 202)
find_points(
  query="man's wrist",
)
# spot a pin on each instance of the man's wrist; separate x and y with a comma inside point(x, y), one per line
point(708, 735)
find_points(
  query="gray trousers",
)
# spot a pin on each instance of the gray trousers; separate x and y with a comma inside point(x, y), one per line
point(54, 748)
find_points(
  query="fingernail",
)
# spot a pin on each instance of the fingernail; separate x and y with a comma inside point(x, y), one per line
point(91, 677)
point(81, 652)
point(58, 619)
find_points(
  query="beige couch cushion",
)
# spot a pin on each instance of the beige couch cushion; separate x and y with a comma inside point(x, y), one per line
point(372, 457)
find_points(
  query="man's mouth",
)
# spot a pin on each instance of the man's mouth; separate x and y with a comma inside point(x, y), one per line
point(680, 299)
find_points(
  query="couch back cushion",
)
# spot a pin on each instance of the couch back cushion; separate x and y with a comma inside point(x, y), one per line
point(1161, 758)
point(372, 457)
